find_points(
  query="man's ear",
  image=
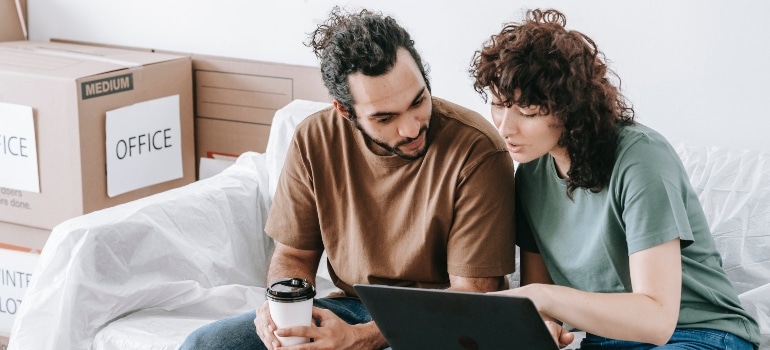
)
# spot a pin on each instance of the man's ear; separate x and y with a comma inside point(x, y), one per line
point(340, 108)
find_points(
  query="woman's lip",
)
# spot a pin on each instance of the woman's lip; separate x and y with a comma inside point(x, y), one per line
point(513, 148)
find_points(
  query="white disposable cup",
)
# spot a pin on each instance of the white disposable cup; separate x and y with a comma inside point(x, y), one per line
point(291, 304)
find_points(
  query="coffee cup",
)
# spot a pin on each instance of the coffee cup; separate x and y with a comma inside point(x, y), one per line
point(291, 304)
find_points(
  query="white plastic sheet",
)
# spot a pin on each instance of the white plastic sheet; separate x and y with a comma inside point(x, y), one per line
point(170, 251)
point(734, 190)
point(282, 131)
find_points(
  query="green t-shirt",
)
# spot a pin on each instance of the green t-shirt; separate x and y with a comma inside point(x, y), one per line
point(649, 200)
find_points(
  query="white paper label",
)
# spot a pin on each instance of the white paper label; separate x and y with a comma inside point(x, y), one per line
point(15, 275)
point(144, 145)
point(18, 148)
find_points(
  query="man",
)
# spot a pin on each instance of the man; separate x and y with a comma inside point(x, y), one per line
point(398, 187)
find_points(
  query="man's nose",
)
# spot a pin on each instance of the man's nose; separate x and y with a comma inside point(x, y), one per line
point(409, 126)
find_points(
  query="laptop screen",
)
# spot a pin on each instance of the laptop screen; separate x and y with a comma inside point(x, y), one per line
point(413, 318)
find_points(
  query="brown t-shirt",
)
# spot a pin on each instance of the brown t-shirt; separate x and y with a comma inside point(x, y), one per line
point(389, 220)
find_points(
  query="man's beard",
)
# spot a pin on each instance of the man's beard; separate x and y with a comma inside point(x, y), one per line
point(395, 148)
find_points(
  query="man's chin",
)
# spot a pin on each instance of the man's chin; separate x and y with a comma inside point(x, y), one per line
point(413, 155)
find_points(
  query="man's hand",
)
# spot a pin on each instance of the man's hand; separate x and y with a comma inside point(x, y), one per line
point(265, 327)
point(334, 333)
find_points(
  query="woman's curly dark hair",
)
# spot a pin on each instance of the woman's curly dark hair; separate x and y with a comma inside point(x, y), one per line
point(365, 42)
point(564, 73)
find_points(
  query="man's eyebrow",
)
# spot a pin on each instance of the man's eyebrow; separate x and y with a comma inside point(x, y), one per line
point(386, 114)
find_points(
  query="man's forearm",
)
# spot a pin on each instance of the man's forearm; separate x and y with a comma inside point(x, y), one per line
point(369, 336)
point(284, 267)
point(480, 285)
point(290, 262)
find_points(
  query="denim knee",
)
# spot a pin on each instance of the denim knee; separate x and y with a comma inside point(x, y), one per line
point(237, 332)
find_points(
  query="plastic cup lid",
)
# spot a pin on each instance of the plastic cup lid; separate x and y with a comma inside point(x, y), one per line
point(290, 290)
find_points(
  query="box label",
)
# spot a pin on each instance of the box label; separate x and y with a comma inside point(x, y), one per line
point(18, 149)
point(16, 269)
point(144, 145)
point(107, 86)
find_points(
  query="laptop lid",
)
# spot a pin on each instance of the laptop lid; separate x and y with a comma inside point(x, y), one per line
point(413, 318)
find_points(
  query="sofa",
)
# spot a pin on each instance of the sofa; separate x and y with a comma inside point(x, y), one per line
point(144, 274)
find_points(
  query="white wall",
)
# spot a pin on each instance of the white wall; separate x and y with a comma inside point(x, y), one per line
point(695, 70)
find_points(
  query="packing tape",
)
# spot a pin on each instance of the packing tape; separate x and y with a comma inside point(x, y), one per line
point(85, 56)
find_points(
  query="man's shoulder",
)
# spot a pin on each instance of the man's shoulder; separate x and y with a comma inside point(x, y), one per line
point(466, 121)
point(323, 122)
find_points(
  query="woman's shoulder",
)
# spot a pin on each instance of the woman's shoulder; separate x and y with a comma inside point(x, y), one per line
point(640, 142)
point(645, 153)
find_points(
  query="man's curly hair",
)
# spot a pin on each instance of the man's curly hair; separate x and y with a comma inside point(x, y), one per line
point(564, 73)
point(365, 42)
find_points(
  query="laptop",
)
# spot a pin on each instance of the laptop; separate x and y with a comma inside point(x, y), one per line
point(413, 318)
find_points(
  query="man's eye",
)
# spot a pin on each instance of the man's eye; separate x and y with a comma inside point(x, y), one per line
point(419, 102)
point(384, 120)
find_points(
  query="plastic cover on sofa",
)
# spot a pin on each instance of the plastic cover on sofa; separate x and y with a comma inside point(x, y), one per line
point(144, 274)
point(734, 189)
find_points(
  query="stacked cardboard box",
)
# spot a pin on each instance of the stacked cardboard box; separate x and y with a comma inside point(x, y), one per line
point(20, 248)
point(77, 124)
point(236, 99)
point(85, 128)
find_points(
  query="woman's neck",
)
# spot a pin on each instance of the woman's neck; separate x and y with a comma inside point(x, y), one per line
point(562, 162)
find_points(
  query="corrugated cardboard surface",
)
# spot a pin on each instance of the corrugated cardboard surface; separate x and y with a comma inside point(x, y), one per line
point(235, 99)
point(10, 24)
point(22, 238)
point(240, 97)
point(70, 131)
point(229, 138)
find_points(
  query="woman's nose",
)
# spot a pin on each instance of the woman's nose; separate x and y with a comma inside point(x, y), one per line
point(507, 123)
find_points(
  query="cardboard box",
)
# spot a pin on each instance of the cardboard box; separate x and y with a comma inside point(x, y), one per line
point(236, 100)
point(20, 248)
point(12, 20)
point(83, 101)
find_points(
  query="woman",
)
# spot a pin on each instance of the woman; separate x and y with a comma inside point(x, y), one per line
point(613, 239)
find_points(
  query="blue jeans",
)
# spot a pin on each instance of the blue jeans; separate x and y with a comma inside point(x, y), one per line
point(238, 332)
point(683, 338)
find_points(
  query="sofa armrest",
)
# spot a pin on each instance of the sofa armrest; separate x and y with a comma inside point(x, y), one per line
point(164, 251)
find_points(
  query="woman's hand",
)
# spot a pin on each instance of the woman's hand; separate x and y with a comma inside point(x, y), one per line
point(534, 292)
point(561, 335)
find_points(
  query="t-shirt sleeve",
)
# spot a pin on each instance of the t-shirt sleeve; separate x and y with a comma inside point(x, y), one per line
point(524, 238)
point(655, 195)
point(481, 241)
point(293, 217)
